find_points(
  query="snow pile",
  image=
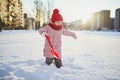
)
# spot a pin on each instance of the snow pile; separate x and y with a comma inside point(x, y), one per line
point(93, 56)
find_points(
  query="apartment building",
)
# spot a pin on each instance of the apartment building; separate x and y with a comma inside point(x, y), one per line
point(117, 20)
point(100, 20)
point(3, 12)
point(11, 14)
point(93, 24)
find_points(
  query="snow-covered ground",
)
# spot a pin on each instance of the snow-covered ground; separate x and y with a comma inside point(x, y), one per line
point(92, 56)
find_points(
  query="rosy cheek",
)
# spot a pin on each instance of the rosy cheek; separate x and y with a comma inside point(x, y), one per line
point(60, 24)
point(56, 24)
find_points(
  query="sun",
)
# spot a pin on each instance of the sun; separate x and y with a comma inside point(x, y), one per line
point(85, 19)
point(85, 16)
point(79, 10)
point(86, 9)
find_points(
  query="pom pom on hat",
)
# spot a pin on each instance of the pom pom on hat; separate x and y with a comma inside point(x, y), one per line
point(56, 16)
point(55, 11)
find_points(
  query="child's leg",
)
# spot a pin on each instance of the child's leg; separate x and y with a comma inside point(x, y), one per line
point(58, 63)
point(49, 61)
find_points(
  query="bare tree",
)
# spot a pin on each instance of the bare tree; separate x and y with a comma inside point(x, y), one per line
point(50, 5)
point(38, 7)
point(43, 10)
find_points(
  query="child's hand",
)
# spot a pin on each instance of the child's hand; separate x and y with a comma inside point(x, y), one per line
point(74, 36)
point(44, 33)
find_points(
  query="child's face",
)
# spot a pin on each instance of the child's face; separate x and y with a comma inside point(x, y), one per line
point(58, 23)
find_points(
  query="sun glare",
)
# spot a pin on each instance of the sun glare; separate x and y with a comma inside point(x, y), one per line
point(85, 19)
point(85, 15)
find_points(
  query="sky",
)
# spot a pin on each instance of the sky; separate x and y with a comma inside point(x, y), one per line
point(77, 9)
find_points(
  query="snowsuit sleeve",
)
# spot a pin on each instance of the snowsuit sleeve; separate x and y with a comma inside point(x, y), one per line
point(67, 33)
point(41, 30)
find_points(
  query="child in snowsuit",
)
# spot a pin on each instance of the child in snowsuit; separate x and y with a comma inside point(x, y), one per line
point(54, 29)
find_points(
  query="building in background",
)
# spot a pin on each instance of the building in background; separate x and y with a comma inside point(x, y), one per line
point(25, 20)
point(20, 17)
point(75, 25)
point(29, 23)
point(3, 13)
point(117, 20)
point(100, 20)
point(104, 19)
point(93, 25)
point(111, 24)
point(12, 14)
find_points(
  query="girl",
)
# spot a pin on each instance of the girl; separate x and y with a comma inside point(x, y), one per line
point(54, 29)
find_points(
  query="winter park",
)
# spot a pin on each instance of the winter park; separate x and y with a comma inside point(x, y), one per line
point(54, 40)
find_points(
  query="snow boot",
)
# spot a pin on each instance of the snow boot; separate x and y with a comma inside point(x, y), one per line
point(58, 63)
point(49, 61)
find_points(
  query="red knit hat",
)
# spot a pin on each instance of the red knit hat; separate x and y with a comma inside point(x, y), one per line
point(56, 16)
